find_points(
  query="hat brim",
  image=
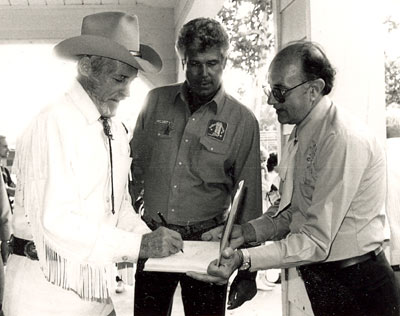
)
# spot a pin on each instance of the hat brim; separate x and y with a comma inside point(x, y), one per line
point(149, 61)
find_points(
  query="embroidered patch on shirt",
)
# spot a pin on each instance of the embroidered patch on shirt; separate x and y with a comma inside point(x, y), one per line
point(217, 129)
point(310, 156)
point(164, 127)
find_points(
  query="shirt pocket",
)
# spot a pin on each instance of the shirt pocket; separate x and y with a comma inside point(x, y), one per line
point(211, 160)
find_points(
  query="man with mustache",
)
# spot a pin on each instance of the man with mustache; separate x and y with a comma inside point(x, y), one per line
point(73, 218)
point(193, 143)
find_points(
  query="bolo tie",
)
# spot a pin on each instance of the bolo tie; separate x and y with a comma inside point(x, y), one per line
point(107, 132)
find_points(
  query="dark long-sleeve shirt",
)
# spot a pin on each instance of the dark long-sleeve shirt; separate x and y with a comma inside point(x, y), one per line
point(190, 164)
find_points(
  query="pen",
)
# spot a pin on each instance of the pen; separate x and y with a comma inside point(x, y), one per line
point(164, 222)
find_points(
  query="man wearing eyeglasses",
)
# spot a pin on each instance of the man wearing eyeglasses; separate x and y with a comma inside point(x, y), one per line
point(329, 222)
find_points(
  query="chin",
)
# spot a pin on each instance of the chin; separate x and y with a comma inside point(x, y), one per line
point(283, 120)
point(110, 109)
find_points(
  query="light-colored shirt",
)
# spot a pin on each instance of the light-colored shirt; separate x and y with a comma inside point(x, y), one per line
point(63, 196)
point(393, 197)
point(338, 197)
point(191, 163)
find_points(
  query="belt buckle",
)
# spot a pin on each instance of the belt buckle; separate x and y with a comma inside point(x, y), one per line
point(30, 250)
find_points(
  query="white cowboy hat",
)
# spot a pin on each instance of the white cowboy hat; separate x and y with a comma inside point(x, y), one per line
point(114, 35)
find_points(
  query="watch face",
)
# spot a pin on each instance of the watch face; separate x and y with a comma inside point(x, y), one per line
point(246, 266)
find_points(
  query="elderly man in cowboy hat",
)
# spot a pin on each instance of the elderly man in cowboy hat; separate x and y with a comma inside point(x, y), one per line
point(73, 219)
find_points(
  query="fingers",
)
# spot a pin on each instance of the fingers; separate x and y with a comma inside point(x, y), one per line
point(213, 234)
point(169, 232)
point(222, 271)
point(160, 243)
point(171, 241)
point(228, 253)
point(206, 278)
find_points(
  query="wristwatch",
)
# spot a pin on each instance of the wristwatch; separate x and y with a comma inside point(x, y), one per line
point(246, 263)
point(396, 267)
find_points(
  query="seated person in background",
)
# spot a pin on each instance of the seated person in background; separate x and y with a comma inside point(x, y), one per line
point(9, 184)
point(273, 178)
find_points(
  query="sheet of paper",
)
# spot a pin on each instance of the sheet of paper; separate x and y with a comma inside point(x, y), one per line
point(196, 257)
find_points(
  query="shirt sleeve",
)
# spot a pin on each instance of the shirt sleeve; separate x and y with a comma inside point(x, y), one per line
point(248, 168)
point(340, 167)
point(270, 227)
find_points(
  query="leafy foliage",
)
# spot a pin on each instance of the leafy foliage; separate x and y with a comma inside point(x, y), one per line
point(249, 25)
point(392, 81)
point(392, 69)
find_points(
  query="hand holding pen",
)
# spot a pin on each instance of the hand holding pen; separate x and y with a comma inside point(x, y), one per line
point(164, 222)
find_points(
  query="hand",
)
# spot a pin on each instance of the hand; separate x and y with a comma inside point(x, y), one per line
point(215, 234)
point(230, 261)
point(4, 251)
point(160, 243)
point(241, 290)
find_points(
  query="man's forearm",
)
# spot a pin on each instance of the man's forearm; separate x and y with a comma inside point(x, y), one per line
point(249, 233)
point(266, 228)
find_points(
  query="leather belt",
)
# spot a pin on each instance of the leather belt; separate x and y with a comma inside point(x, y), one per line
point(22, 247)
point(345, 263)
point(193, 231)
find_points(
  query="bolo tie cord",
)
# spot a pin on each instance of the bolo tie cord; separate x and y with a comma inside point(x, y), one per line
point(107, 132)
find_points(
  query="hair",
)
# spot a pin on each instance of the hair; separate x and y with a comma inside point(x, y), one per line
point(315, 63)
point(102, 65)
point(392, 122)
point(200, 35)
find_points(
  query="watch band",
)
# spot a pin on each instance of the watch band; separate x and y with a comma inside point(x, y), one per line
point(396, 267)
point(246, 264)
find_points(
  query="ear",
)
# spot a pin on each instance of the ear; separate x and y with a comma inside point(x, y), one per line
point(84, 66)
point(316, 87)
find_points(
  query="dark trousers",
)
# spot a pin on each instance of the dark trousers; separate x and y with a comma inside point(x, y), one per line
point(154, 292)
point(363, 289)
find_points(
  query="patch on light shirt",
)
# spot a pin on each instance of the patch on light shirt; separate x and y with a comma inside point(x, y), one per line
point(217, 129)
point(311, 151)
point(163, 127)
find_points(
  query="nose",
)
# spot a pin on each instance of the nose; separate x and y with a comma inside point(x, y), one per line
point(126, 91)
point(204, 70)
point(271, 99)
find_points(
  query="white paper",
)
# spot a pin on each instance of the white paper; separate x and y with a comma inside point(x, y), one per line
point(196, 257)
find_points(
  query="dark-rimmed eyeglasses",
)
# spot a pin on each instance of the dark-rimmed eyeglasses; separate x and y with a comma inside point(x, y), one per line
point(279, 93)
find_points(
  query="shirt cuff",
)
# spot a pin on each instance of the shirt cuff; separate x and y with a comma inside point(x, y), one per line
point(264, 228)
point(265, 257)
point(249, 233)
point(116, 245)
